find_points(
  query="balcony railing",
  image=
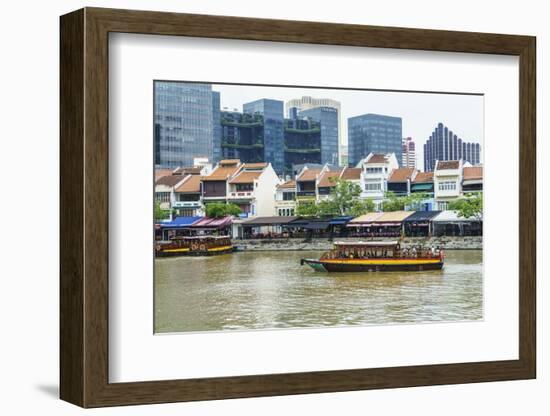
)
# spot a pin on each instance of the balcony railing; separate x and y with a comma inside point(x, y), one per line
point(241, 194)
point(186, 204)
point(305, 193)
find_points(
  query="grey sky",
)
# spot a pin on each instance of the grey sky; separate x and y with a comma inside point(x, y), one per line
point(420, 112)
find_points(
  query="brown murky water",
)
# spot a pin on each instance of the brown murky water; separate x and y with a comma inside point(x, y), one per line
point(263, 290)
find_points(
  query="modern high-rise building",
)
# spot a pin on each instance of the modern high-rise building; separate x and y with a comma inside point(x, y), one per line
point(273, 129)
point(261, 134)
point(409, 153)
point(443, 144)
point(294, 106)
point(184, 123)
point(328, 119)
point(217, 128)
point(374, 133)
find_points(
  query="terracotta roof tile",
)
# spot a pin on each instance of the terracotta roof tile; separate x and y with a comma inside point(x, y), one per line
point(159, 173)
point(351, 174)
point(246, 176)
point(191, 185)
point(287, 185)
point(309, 175)
point(474, 172)
point(401, 174)
point(192, 170)
point(170, 180)
point(422, 177)
point(228, 162)
point(447, 164)
point(328, 179)
point(378, 158)
point(222, 172)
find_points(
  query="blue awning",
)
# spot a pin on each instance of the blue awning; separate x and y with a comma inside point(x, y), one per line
point(340, 220)
point(179, 222)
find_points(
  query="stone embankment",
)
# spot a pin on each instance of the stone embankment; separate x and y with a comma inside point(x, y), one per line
point(295, 244)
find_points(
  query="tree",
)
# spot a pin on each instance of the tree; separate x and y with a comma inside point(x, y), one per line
point(361, 207)
point(392, 202)
point(307, 209)
point(220, 209)
point(470, 206)
point(161, 214)
point(344, 198)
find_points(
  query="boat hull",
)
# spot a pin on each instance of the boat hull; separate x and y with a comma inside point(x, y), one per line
point(356, 266)
point(187, 252)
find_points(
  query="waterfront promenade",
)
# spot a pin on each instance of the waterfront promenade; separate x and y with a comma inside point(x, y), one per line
point(298, 244)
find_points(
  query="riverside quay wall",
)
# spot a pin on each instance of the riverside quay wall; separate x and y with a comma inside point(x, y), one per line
point(295, 244)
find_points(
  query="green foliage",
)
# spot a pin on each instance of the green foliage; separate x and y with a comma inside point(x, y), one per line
point(343, 200)
point(469, 206)
point(307, 209)
point(219, 209)
point(392, 202)
point(161, 214)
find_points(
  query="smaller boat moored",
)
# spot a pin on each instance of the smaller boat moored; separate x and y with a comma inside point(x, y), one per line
point(376, 256)
point(195, 246)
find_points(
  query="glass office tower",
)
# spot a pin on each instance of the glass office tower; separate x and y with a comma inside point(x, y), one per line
point(374, 133)
point(273, 134)
point(328, 118)
point(184, 122)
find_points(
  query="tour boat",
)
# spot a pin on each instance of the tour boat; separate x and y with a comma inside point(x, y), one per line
point(376, 256)
point(195, 246)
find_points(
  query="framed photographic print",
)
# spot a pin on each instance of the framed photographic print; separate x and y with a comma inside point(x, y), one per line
point(254, 207)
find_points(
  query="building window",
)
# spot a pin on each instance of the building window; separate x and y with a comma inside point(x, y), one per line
point(163, 196)
point(447, 186)
point(373, 187)
point(288, 196)
point(442, 206)
point(373, 170)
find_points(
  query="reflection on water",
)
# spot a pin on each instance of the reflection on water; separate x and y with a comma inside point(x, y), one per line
point(265, 290)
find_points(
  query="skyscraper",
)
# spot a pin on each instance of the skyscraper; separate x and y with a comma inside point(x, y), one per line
point(184, 123)
point(273, 129)
point(296, 105)
point(328, 117)
point(443, 144)
point(374, 133)
point(409, 153)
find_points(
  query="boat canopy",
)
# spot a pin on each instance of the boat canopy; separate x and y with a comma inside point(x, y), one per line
point(367, 243)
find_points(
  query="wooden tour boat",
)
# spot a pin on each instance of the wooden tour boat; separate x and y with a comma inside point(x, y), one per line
point(376, 256)
point(195, 246)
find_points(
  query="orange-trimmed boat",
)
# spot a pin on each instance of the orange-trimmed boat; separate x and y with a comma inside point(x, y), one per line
point(195, 246)
point(376, 256)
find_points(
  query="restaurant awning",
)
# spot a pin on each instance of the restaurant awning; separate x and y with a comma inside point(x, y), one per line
point(452, 216)
point(380, 219)
point(179, 222)
point(422, 186)
point(309, 224)
point(421, 216)
point(261, 221)
point(340, 220)
point(216, 223)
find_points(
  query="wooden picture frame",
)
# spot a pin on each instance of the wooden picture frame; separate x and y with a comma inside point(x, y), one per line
point(84, 207)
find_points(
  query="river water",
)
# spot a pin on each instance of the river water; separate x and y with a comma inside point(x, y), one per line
point(263, 290)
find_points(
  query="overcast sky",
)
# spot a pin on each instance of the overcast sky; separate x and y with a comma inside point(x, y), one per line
point(420, 112)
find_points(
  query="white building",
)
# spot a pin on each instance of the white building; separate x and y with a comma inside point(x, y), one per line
point(165, 188)
point(285, 199)
point(375, 170)
point(253, 189)
point(448, 175)
point(409, 153)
